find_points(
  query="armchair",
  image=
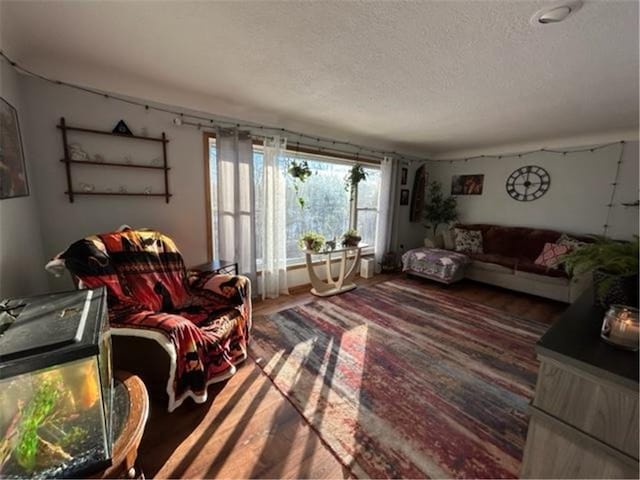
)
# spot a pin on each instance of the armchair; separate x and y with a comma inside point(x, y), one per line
point(201, 319)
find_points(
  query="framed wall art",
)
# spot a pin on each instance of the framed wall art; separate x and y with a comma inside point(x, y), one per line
point(404, 196)
point(467, 184)
point(13, 174)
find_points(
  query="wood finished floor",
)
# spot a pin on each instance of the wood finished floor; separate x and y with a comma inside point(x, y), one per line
point(247, 429)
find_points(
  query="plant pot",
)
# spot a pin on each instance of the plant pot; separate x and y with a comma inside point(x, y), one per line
point(615, 289)
point(351, 241)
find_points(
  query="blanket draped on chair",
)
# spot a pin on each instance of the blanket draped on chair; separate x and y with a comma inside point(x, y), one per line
point(205, 316)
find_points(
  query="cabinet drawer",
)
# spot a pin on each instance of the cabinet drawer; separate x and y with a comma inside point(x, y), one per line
point(601, 409)
point(555, 450)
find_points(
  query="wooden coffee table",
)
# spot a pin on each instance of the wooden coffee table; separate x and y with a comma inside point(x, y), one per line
point(130, 412)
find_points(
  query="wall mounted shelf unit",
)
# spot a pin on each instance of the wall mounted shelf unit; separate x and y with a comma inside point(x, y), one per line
point(69, 163)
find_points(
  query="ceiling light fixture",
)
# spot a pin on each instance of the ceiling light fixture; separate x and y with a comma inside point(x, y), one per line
point(554, 16)
point(556, 13)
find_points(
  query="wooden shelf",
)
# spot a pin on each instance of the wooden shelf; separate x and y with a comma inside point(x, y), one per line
point(64, 128)
point(121, 194)
point(114, 164)
point(105, 132)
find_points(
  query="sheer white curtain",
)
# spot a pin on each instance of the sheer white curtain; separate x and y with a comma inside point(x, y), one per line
point(273, 281)
point(387, 224)
point(236, 216)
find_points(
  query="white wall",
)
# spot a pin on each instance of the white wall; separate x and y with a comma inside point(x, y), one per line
point(576, 201)
point(21, 257)
point(183, 219)
point(410, 234)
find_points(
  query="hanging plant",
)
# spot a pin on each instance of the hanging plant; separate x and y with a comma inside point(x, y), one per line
point(299, 171)
point(353, 178)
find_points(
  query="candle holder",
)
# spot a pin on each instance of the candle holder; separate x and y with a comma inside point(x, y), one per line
point(621, 327)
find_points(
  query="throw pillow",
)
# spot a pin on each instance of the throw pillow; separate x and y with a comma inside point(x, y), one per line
point(570, 242)
point(551, 256)
point(467, 241)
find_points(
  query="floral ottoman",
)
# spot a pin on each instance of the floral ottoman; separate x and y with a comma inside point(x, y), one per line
point(441, 265)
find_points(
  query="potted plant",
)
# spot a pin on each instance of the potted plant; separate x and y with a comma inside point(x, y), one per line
point(438, 209)
point(351, 238)
point(614, 266)
point(311, 241)
point(353, 178)
point(299, 171)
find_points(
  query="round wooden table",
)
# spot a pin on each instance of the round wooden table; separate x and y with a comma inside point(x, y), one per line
point(130, 412)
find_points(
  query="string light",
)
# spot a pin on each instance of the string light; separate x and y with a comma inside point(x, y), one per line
point(530, 152)
point(213, 122)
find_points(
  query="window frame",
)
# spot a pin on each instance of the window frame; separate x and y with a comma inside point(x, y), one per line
point(336, 158)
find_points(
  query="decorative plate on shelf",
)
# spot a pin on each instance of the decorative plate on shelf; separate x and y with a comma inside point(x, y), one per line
point(528, 183)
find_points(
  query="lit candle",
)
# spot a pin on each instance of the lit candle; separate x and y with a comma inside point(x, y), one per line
point(621, 327)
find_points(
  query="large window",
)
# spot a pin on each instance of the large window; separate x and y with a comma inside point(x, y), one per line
point(329, 208)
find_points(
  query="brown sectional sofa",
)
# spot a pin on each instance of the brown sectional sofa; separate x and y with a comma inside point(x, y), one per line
point(508, 260)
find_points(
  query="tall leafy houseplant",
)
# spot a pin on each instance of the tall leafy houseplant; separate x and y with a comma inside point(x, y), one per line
point(439, 210)
point(615, 269)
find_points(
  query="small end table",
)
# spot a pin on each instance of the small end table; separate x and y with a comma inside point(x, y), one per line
point(218, 266)
point(130, 412)
point(344, 282)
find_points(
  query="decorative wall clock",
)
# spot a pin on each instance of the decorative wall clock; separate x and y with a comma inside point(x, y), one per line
point(528, 183)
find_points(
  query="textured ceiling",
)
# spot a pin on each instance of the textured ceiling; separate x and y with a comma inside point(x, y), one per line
point(418, 77)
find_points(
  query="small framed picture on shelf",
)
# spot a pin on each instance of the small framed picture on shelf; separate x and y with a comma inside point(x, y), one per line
point(404, 173)
point(404, 196)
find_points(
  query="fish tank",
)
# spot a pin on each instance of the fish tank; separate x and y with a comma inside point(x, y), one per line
point(56, 385)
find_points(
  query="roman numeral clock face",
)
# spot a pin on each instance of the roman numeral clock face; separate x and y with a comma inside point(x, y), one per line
point(528, 183)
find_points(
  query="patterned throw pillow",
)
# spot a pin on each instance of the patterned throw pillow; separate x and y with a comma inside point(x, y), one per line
point(467, 241)
point(551, 255)
point(570, 242)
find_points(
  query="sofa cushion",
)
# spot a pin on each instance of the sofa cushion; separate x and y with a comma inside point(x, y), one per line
point(509, 262)
point(533, 241)
point(552, 255)
point(502, 241)
point(537, 280)
point(525, 265)
point(468, 241)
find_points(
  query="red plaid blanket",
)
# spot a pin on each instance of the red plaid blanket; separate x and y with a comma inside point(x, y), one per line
point(207, 317)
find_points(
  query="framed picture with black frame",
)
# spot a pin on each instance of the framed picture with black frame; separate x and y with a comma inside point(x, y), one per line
point(404, 196)
point(13, 173)
point(404, 174)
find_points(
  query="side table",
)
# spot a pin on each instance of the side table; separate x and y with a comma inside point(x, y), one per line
point(130, 412)
point(218, 266)
point(344, 282)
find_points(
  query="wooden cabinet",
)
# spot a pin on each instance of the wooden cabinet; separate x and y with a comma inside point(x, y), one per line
point(584, 416)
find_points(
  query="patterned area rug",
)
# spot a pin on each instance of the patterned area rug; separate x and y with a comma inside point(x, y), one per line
point(402, 381)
